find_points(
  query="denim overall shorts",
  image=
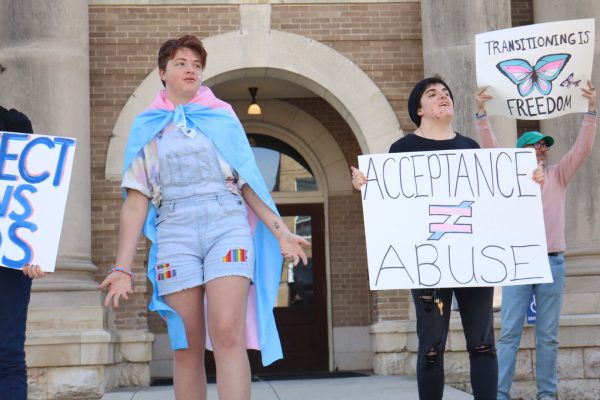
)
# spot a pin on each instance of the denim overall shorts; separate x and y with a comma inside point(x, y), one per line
point(201, 227)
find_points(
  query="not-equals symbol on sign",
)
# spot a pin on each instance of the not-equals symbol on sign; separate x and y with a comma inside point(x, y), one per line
point(450, 225)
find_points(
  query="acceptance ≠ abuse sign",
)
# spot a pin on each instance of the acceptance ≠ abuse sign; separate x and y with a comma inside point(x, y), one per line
point(453, 218)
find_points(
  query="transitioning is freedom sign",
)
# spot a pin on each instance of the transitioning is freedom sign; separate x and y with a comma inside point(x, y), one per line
point(453, 218)
point(536, 71)
point(35, 171)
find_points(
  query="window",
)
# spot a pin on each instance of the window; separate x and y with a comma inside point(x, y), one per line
point(283, 168)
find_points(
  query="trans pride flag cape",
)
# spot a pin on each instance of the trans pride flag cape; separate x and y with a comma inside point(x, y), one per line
point(216, 119)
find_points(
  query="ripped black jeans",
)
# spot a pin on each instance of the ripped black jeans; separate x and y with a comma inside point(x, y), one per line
point(475, 305)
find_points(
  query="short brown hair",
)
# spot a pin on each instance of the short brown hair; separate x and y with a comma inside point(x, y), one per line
point(169, 48)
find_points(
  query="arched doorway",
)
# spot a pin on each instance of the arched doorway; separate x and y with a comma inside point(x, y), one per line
point(301, 307)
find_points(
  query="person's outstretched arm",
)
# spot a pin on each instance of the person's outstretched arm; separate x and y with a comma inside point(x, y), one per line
point(289, 243)
point(133, 215)
point(487, 140)
point(581, 150)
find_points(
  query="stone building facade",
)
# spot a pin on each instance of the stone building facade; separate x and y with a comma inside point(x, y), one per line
point(334, 78)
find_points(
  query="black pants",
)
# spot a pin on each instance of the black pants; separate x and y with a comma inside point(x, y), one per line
point(476, 313)
point(15, 289)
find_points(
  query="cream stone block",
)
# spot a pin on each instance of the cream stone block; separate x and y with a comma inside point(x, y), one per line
point(37, 383)
point(127, 375)
point(135, 346)
point(381, 144)
point(579, 389)
point(456, 337)
point(54, 355)
point(339, 178)
point(96, 353)
point(579, 336)
point(524, 390)
point(279, 112)
point(393, 364)
point(354, 361)
point(581, 284)
point(135, 352)
point(75, 383)
point(227, 53)
point(389, 342)
point(378, 119)
point(255, 21)
point(569, 364)
point(591, 360)
point(310, 127)
point(65, 318)
point(456, 365)
point(524, 365)
point(580, 303)
point(325, 148)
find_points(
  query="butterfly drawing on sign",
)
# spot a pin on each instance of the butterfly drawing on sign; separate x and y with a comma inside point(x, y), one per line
point(569, 82)
point(540, 76)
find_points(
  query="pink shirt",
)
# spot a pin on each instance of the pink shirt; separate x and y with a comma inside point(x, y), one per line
point(557, 176)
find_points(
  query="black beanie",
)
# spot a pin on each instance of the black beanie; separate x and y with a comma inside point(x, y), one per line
point(415, 96)
point(14, 121)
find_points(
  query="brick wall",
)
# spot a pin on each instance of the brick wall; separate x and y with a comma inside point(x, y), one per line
point(384, 40)
point(521, 12)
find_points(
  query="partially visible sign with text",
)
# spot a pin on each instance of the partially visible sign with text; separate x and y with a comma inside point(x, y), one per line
point(35, 171)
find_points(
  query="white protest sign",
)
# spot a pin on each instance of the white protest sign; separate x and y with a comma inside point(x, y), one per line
point(35, 171)
point(536, 71)
point(453, 218)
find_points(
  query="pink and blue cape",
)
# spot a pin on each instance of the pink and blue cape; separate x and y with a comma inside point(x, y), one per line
point(216, 119)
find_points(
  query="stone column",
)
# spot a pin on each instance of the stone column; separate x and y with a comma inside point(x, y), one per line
point(44, 45)
point(580, 320)
point(583, 199)
point(449, 29)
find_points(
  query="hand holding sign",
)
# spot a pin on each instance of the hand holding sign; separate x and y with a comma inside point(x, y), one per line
point(33, 271)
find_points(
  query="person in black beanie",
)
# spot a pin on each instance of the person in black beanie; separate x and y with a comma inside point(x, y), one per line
point(431, 108)
point(15, 289)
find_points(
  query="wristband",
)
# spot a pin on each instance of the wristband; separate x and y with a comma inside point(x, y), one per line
point(123, 270)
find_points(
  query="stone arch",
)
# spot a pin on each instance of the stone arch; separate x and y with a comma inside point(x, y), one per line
point(289, 57)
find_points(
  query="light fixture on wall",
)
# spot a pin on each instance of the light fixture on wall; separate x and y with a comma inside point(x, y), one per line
point(254, 108)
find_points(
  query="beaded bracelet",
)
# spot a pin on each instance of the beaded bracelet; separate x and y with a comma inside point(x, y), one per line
point(123, 270)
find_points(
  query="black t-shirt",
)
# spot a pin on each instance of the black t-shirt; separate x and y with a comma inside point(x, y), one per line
point(412, 142)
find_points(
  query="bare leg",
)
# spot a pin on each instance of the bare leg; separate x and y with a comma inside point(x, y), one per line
point(189, 375)
point(227, 300)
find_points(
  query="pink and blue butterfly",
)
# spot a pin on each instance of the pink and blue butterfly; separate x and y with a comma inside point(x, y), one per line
point(540, 76)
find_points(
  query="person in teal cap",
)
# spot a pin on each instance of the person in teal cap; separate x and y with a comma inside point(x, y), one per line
point(515, 299)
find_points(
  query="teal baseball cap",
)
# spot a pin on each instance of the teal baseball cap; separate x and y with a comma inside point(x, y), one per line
point(532, 137)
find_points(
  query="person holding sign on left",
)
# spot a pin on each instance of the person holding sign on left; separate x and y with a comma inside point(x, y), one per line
point(15, 290)
point(515, 299)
